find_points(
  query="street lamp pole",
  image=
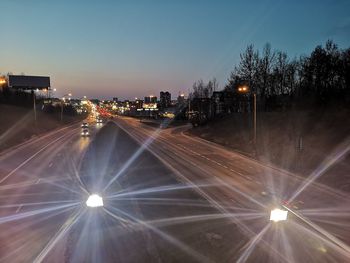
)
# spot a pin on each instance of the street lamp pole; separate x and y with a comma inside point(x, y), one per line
point(254, 117)
point(34, 105)
point(61, 109)
point(62, 100)
point(244, 90)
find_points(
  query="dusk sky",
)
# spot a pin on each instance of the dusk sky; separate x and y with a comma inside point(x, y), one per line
point(121, 49)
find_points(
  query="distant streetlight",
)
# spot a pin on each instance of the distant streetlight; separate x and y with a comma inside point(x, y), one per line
point(2, 81)
point(245, 89)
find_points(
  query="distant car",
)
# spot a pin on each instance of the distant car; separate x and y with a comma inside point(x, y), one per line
point(99, 121)
point(85, 132)
point(85, 125)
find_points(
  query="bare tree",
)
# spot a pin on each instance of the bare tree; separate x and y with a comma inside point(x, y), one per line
point(248, 66)
point(266, 63)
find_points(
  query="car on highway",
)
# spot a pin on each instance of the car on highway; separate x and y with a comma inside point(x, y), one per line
point(85, 125)
point(85, 132)
point(99, 121)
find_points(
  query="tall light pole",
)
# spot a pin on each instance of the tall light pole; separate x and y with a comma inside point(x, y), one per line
point(34, 103)
point(254, 102)
point(62, 100)
point(244, 90)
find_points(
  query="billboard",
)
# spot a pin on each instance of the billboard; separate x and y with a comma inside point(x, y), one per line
point(28, 82)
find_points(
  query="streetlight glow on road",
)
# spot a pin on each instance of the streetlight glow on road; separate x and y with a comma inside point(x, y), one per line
point(278, 215)
point(94, 200)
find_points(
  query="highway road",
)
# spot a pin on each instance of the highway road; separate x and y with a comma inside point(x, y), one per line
point(323, 211)
point(167, 197)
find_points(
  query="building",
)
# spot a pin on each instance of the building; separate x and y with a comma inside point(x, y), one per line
point(165, 99)
point(218, 101)
point(115, 99)
point(149, 107)
point(150, 99)
point(181, 100)
point(138, 103)
point(200, 111)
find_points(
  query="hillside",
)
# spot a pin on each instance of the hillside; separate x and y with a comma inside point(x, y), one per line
point(322, 135)
point(17, 124)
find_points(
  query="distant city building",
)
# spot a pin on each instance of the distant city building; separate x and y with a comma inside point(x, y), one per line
point(115, 99)
point(150, 99)
point(181, 99)
point(138, 103)
point(149, 107)
point(95, 101)
point(165, 99)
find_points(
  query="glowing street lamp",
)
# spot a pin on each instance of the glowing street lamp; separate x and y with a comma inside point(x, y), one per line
point(94, 200)
point(278, 215)
point(243, 89)
point(2, 81)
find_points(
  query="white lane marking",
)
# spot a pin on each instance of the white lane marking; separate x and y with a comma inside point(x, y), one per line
point(30, 158)
point(19, 208)
point(204, 157)
point(37, 181)
point(29, 142)
point(50, 164)
point(213, 161)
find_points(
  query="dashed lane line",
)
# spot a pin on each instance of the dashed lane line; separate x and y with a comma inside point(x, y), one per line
point(19, 208)
point(31, 157)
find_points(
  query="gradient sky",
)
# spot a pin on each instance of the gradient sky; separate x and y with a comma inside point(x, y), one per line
point(130, 49)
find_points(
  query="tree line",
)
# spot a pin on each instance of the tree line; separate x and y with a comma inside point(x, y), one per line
point(322, 78)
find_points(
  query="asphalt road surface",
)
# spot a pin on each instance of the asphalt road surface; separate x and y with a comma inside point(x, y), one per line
point(167, 198)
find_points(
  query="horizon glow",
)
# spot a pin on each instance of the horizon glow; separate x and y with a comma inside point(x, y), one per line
point(120, 49)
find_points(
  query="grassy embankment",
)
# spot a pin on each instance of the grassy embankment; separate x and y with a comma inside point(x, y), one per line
point(17, 124)
point(321, 134)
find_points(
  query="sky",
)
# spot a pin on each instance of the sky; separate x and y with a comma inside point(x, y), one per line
point(126, 49)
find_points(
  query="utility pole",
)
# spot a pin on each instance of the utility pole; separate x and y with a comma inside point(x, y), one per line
point(254, 118)
point(245, 90)
point(61, 109)
point(63, 100)
point(34, 105)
